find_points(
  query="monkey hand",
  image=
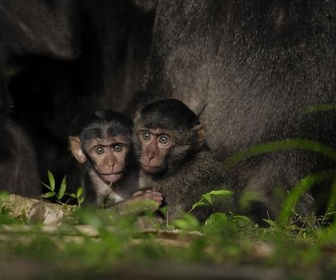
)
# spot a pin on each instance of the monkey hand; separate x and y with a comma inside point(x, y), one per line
point(151, 200)
point(140, 201)
point(148, 194)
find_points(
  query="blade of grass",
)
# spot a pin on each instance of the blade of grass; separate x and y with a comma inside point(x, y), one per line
point(275, 146)
point(303, 186)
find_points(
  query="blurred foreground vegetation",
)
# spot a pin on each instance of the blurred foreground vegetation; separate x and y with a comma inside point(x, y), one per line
point(96, 243)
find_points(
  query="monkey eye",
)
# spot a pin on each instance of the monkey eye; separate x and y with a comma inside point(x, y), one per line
point(146, 135)
point(164, 139)
point(100, 150)
point(117, 147)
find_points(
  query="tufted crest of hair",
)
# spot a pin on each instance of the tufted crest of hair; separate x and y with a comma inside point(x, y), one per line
point(105, 124)
point(168, 114)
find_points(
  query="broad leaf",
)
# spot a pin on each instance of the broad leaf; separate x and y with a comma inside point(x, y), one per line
point(48, 194)
point(199, 203)
point(62, 188)
point(51, 180)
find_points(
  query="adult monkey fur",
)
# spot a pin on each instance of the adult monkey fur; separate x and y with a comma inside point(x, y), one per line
point(18, 172)
point(253, 72)
point(176, 161)
point(22, 32)
point(110, 171)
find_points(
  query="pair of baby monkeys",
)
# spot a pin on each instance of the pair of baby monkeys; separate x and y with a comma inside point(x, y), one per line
point(162, 156)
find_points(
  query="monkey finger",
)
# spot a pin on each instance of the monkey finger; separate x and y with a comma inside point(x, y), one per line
point(137, 193)
point(154, 196)
point(141, 192)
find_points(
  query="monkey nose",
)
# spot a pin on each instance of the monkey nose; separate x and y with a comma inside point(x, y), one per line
point(111, 164)
point(149, 160)
point(151, 155)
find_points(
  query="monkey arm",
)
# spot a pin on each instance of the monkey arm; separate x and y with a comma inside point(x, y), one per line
point(140, 202)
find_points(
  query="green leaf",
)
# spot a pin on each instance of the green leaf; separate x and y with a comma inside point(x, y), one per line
point(81, 199)
point(207, 197)
point(79, 192)
point(47, 186)
point(48, 194)
point(73, 195)
point(216, 219)
point(62, 188)
point(215, 223)
point(270, 222)
point(220, 192)
point(51, 180)
point(199, 203)
point(242, 218)
point(187, 222)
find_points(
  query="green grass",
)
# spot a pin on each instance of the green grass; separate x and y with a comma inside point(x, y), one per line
point(119, 248)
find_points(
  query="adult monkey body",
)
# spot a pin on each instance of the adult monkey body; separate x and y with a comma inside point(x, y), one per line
point(18, 163)
point(110, 173)
point(22, 33)
point(249, 69)
point(176, 161)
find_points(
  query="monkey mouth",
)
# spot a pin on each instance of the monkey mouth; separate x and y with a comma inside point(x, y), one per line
point(151, 169)
point(112, 177)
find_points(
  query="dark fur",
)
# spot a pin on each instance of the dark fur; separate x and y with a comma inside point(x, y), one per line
point(114, 41)
point(248, 69)
point(191, 169)
point(18, 167)
point(44, 27)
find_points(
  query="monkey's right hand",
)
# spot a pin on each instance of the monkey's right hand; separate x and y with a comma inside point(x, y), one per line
point(148, 194)
point(146, 200)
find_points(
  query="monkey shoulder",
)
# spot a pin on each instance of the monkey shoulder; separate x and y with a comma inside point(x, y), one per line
point(207, 169)
point(202, 174)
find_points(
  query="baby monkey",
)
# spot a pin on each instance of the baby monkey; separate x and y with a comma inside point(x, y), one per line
point(110, 174)
point(176, 161)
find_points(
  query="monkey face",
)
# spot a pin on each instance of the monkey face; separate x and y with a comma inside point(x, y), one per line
point(109, 157)
point(106, 155)
point(155, 147)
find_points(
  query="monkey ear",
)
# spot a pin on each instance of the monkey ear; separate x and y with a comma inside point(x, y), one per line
point(200, 132)
point(76, 150)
